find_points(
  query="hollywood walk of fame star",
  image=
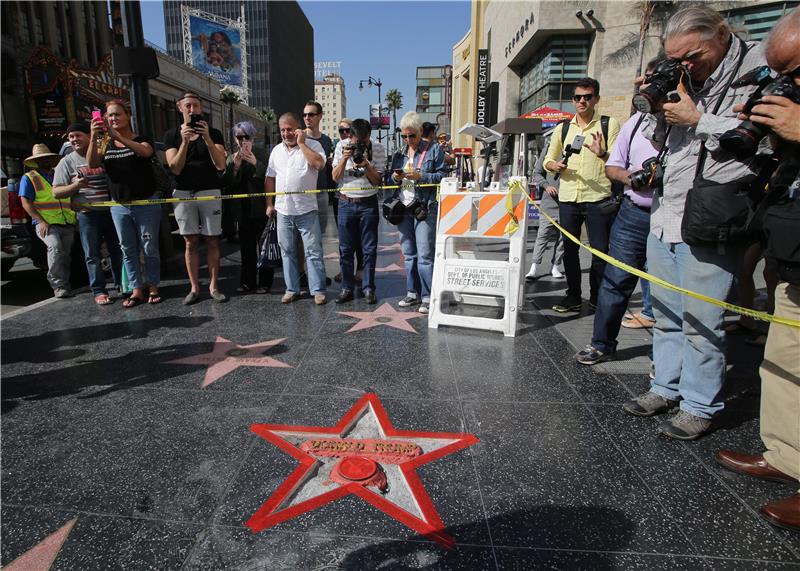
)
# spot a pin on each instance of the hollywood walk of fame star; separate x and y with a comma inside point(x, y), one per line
point(390, 268)
point(227, 356)
point(384, 315)
point(390, 248)
point(43, 554)
point(309, 486)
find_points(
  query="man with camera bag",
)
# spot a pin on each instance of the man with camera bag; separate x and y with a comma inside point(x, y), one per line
point(585, 192)
point(358, 164)
point(704, 182)
point(780, 370)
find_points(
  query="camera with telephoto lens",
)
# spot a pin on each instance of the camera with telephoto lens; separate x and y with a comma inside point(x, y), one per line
point(650, 176)
point(660, 85)
point(742, 141)
point(418, 210)
point(359, 152)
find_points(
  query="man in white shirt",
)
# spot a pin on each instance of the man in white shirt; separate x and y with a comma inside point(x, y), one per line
point(293, 167)
point(358, 164)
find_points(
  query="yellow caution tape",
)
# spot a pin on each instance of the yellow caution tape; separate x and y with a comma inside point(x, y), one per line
point(760, 315)
point(147, 201)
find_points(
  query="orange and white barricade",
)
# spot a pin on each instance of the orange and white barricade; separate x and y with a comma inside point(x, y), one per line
point(480, 257)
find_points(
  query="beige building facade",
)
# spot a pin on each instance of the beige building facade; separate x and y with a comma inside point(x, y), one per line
point(537, 50)
point(330, 93)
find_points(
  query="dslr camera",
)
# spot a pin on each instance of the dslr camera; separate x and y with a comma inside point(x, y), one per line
point(359, 151)
point(742, 141)
point(650, 176)
point(661, 85)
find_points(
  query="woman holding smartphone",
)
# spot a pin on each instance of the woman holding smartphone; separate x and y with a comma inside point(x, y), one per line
point(419, 162)
point(126, 159)
point(244, 174)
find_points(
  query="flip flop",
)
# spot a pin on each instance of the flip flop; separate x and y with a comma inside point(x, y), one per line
point(154, 298)
point(132, 302)
point(102, 299)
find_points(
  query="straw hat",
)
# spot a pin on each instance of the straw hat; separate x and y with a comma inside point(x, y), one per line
point(40, 151)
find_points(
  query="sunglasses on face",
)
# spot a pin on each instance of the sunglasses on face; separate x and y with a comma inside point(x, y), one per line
point(310, 114)
point(242, 137)
point(584, 96)
point(404, 137)
point(344, 130)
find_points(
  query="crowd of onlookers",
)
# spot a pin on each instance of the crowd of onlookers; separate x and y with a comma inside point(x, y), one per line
point(665, 192)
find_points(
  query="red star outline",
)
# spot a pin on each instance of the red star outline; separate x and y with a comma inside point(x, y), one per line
point(271, 514)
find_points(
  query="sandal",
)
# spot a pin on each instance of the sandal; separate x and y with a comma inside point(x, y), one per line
point(102, 299)
point(132, 302)
point(154, 297)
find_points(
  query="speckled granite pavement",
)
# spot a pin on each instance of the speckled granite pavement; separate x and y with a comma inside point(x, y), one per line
point(115, 458)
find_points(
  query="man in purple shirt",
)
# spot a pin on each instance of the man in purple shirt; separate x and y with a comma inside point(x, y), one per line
point(628, 239)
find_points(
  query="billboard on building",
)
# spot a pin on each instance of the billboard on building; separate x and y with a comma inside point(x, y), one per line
point(379, 120)
point(216, 46)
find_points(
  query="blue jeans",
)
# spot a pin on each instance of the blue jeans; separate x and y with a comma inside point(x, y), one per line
point(358, 224)
point(138, 229)
point(308, 226)
point(95, 227)
point(647, 301)
point(688, 339)
point(628, 243)
point(571, 216)
point(418, 242)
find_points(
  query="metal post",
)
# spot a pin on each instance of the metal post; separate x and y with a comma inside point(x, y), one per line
point(133, 35)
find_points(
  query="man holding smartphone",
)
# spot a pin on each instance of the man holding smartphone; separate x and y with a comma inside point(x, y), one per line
point(196, 156)
point(584, 193)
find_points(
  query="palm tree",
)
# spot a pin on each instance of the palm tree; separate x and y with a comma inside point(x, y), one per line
point(394, 100)
point(231, 98)
point(268, 116)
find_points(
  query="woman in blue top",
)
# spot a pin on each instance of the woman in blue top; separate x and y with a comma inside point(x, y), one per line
point(419, 163)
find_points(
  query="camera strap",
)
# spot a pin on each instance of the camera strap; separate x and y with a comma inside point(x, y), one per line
point(630, 141)
point(701, 160)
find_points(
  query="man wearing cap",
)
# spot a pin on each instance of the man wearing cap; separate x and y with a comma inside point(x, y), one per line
point(53, 219)
point(85, 185)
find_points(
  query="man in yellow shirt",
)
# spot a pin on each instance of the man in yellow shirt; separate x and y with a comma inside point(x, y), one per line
point(584, 194)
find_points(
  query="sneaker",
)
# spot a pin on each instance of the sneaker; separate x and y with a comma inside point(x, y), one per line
point(371, 298)
point(320, 299)
point(569, 303)
point(344, 296)
point(684, 426)
point(531, 275)
point(424, 308)
point(592, 356)
point(289, 297)
point(61, 292)
point(649, 404)
point(408, 301)
point(592, 305)
point(556, 273)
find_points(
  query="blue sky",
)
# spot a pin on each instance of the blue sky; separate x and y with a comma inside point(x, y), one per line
point(386, 40)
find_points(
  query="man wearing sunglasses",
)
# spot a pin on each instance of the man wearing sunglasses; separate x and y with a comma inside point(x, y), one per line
point(312, 116)
point(584, 194)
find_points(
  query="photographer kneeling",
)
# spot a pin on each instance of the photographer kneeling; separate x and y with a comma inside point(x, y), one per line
point(780, 370)
point(357, 169)
point(698, 223)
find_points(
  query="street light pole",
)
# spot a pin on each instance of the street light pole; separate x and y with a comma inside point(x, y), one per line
point(376, 82)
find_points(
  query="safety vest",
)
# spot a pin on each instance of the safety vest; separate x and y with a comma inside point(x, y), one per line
point(53, 210)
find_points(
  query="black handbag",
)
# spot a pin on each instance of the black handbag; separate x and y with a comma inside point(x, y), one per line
point(269, 249)
point(161, 178)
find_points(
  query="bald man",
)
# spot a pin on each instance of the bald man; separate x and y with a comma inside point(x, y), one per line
point(780, 370)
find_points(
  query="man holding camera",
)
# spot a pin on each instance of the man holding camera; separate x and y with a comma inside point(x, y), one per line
point(358, 168)
point(628, 240)
point(584, 194)
point(196, 156)
point(780, 370)
point(688, 337)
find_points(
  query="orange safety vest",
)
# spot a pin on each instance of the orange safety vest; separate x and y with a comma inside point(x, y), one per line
point(52, 209)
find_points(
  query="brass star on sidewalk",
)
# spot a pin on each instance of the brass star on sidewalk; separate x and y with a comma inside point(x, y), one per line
point(227, 356)
point(384, 315)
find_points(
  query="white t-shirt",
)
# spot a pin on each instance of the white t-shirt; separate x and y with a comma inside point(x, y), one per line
point(291, 171)
point(348, 181)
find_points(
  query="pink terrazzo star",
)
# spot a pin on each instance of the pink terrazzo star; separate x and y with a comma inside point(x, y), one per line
point(384, 315)
point(390, 268)
point(227, 356)
point(43, 554)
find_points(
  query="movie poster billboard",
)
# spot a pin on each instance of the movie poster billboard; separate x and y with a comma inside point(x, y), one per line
point(379, 120)
point(217, 50)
